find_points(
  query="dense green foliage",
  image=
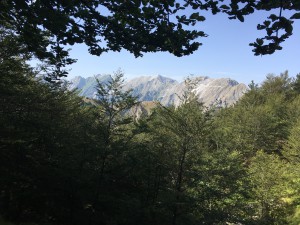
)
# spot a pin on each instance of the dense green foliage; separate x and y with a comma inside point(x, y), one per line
point(65, 161)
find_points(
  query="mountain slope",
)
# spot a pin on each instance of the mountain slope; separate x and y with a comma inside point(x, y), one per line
point(222, 91)
point(149, 88)
point(86, 86)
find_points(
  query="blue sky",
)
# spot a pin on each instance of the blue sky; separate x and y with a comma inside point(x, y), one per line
point(224, 53)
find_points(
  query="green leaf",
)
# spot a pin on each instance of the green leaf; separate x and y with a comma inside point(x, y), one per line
point(260, 27)
point(267, 23)
point(269, 31)
point(295, 16)
point(196, 16)
point(273, 17)
point(289, 29)
point(226, 7)
point(240, 17)
point(260, 41)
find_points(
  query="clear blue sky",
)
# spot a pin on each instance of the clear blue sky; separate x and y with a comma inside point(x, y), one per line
point(225, 53)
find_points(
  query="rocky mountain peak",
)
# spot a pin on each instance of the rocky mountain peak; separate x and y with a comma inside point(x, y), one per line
point(168, 91)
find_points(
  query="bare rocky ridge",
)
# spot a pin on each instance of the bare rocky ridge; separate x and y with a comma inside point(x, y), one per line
point(167, 91)
point(221, 91)
point(150, 88)
point(86, 86)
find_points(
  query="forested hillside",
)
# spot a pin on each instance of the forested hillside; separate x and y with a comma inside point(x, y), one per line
point(64, 161)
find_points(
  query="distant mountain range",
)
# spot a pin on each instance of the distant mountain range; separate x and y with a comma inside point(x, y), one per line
point(221, 91)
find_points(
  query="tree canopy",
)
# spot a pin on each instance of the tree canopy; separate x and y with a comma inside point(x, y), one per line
point(68, 160)
point(135, 25)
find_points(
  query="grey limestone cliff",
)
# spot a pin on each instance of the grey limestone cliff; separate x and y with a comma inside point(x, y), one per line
point(150, 88)
point(167, 91)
